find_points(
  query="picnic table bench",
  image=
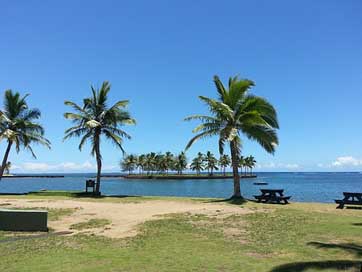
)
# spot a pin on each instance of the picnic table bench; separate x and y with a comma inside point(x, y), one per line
point(349, 199)
point(272, 196)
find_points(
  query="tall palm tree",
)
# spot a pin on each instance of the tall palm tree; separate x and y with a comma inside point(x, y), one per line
point(250, 161)
point(18, 126)
point(180, 163)
point(150, 162)
point(141, 163)
point(162, 164)
point(169, 159)
point(95, 119)
point(198, 163)
point(242, 165)
point(234, 113)
point(211, 163)
point(129, 163)
point(224, 162)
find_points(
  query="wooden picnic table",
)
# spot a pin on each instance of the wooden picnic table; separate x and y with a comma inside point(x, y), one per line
point(272, 195)
point(349, 199)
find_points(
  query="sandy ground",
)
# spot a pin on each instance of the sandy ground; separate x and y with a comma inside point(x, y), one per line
point(125, 217)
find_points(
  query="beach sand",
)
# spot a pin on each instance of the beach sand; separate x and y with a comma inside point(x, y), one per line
point(124, 217)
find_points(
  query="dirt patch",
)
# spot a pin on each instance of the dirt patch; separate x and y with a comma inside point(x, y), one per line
point(125, 216)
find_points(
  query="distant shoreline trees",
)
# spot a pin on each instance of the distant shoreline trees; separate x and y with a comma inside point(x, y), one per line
point(163, 164)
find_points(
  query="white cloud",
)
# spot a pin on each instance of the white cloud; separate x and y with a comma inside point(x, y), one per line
point(60, 167)
point(278, 166)
point(346, 161)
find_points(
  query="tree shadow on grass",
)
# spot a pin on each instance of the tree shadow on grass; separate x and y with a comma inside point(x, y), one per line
point(319, 265)
point(349, 247)
point(231, 200)
point(328, 264)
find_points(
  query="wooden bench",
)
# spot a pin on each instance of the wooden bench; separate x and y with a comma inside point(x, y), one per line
point(349, 199)
point(23, 220)
point(272, 196)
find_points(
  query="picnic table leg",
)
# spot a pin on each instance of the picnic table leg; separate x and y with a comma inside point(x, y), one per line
point(340, 206)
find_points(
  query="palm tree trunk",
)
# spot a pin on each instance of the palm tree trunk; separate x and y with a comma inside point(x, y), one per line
point(99, 165)
point(235, 163)
point(5, 159)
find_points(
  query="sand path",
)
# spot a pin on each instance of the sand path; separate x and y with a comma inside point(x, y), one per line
point(125, 217)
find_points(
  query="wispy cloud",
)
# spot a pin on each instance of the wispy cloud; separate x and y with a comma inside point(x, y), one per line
point(60, 167)
point(347, 161)
point(278, 166)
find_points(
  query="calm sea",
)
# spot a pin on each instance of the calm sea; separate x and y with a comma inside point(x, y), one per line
point(303, 187)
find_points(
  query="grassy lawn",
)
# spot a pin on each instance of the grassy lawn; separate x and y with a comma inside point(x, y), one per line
point(297, 237)
point(91, 223)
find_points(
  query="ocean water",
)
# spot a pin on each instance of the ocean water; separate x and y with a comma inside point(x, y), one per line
point(302, 186)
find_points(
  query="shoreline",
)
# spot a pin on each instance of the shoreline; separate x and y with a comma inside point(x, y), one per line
point(34, 176)
point(177, 177)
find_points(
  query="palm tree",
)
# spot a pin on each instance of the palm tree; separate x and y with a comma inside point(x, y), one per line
point(169, 159)
point(198, 163)
point(224, 162)
point(161, 163)
point(129, 163)
point(150, 162)
point(242, 164)
point(95, 119)
point(141, 162)
point(18, 126)
point(180, 163)
point(237, 112)
point(211, 163)
point(250, 161)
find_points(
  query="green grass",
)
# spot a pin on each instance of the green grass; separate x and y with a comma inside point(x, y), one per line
point(90, 224)
point(297, 237)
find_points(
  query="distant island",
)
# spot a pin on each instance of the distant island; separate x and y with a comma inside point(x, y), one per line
point(176, 176)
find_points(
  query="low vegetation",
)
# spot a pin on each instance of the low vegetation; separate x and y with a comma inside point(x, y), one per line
point(296, 237)
point(91, 224)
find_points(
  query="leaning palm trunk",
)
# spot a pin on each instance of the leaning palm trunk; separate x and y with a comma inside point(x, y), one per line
point(5, 159)
point(235, 163)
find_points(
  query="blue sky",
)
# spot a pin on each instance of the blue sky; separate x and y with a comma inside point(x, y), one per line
point(305, 57)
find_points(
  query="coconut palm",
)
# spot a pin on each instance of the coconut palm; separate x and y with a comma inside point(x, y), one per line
point(211, 163)
point(95, 119)
point(129, 163)
point(161, 163)
point(234, 113)
point(169, 160)
point(224, 162)
point(242, 165)
point(180, 163)
point(150, 162)
point(250, 163)
point(18, 126)
point(198, 163)
point(141, 163)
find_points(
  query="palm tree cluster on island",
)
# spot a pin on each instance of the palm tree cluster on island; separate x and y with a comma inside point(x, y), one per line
point(234, 113)
point(164, 164)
